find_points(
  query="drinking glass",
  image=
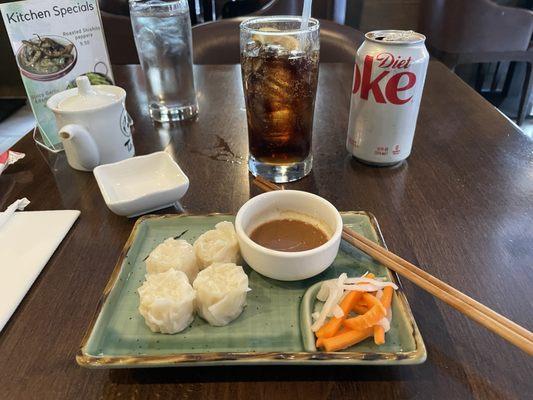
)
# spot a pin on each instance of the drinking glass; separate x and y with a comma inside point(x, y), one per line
point(162, 32)
point(279, 62)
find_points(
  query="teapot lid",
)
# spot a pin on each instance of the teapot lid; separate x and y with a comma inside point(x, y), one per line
point(87, 97)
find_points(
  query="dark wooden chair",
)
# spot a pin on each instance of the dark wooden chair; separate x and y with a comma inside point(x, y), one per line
point(322, 9)
point(480, 31)
point(118, 32)
point(10, 81)
point(238, 8)
point(217, 42)
point(119, 39)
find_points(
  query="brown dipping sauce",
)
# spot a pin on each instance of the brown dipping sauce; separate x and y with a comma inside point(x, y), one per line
point(288, 235)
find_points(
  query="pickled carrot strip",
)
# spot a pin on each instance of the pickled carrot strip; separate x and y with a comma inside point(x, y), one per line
point(359, 308)
point(371, 300)
point(379, 335)
point(368, 319)
point(330, 328)
point(344, 340)
point(386, 301)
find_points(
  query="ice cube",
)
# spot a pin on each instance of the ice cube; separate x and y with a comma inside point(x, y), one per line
point(252, 48)
point(146, 40)
point(274, 50)
point(296, 54)
point(171, 38)
point(280, 80)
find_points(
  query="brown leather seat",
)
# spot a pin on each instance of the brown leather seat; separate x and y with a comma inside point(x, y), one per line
point(480, 31)
point(218, 42)
point(119, 39)
point(117, 7)
point(235, 8)
point(459, 27)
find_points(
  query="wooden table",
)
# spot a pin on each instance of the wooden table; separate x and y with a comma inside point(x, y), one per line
point(460, 207)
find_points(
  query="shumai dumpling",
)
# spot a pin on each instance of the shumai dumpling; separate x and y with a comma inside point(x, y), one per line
point(167, 301)
point(173, 254)
point(219, 245)
point(221, 293)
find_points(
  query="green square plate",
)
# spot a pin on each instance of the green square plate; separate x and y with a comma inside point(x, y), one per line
point(269, 331)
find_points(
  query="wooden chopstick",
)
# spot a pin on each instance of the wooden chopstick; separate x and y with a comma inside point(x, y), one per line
point(265, 185)
point(440, 284)
point(497, 323)
point(493, 321)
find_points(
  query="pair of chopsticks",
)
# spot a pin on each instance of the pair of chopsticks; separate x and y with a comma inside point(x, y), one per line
point(497, 323)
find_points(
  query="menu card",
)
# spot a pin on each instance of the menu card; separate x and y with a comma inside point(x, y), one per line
point(54, 42)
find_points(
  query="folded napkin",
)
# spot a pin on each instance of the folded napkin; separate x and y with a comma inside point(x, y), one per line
point(27, 241)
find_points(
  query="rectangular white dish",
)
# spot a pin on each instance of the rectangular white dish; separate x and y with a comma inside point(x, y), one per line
point(141, 184)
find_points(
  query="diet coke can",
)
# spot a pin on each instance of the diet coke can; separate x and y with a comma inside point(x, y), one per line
point(390, 69)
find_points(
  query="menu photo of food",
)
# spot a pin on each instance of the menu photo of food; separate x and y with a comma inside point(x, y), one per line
point(45, 58)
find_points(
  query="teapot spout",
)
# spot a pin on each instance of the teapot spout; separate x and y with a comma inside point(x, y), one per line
point(80, 148)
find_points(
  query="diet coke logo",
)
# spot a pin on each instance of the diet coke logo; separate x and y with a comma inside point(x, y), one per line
point(364, 83)
point(387, 60)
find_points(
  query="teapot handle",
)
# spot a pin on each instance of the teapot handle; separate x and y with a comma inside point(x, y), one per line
point(82, 152)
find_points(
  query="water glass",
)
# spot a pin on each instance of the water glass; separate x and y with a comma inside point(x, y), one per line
point(162, 32)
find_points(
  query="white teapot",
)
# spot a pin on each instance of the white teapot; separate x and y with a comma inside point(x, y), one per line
point(93, 124)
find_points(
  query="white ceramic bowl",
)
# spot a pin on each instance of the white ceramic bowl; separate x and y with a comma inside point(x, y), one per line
point(141, 184)
point(282, 265)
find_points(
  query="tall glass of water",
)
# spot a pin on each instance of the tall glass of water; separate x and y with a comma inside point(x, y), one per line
point(162, 31)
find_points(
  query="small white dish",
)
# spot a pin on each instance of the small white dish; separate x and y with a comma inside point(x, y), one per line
point(282, 265)
point(141, 184)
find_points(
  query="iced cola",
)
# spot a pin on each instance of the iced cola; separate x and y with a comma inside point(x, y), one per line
point(280, 78)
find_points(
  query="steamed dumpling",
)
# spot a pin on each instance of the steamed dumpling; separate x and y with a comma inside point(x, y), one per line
point(167, 301)
point(219, 245)
point(173, 254)
point(221, 293)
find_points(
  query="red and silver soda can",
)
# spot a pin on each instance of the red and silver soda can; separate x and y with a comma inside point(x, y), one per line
point(390, 69)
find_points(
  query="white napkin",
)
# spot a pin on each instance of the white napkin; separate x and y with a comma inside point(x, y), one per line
point(27, 241)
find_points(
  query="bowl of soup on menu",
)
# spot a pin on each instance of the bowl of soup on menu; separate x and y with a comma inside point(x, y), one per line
point(288, 234)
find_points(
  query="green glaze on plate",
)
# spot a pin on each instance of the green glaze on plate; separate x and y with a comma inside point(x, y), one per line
point(273, 328)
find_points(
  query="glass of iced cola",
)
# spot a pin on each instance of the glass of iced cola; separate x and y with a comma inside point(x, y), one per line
point(279, 60)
